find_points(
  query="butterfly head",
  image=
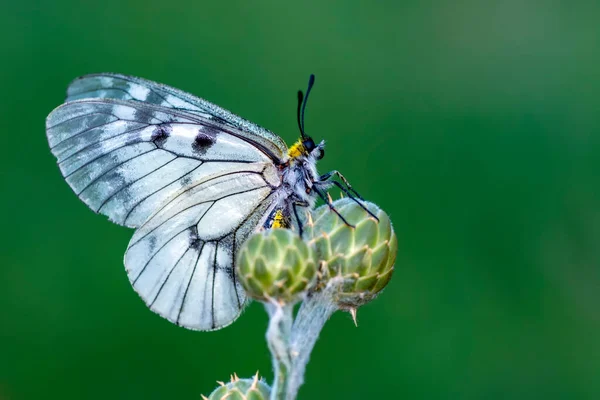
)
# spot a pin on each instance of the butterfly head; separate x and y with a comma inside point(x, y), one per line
point(314, 150)
point(306, 146)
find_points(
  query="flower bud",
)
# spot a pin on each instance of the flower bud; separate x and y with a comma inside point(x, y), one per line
point(362, 255)
point(241, 389)
point(276, 264)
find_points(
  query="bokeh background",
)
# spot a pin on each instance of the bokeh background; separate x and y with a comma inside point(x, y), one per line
point(475, 124)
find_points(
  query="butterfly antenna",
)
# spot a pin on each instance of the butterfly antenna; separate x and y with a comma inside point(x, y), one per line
point(311, 82)
point(300, 98)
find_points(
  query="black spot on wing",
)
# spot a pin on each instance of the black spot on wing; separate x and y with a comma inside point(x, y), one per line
point(205, 139)
point(195, 242)
point(161, 134)
point(186, 180)
point(152, 243)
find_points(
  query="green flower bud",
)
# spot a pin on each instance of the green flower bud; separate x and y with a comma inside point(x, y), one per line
point(241, 389)
point(276, 264)
point(363, 255)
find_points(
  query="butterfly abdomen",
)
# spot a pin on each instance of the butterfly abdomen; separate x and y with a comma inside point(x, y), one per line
point(277, 219)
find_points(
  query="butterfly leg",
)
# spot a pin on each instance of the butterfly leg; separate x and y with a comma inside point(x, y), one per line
point(327, 177)
point(343, 189)
point(347, 189)
point(301, 204)
point(327, 200)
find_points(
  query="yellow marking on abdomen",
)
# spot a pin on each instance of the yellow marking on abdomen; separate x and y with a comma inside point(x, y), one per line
point(279, 220)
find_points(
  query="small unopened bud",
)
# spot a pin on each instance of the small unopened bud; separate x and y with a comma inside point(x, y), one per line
point(363, 254)
point(276, 264)
point(241, 389)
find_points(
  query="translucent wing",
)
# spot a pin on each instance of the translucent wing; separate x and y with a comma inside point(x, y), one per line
point(123, 87)
point(180, 261)
point(126, 158)
point(194, 186)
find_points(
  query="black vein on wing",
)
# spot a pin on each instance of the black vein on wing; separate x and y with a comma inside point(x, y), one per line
point(137, 106)
point(168, 276)
point(190, 226)
point(126, 79)
point(195, 224)
point(135, 180)
point(89, 128)
point(79, 116)
point(198, 184)
point(167, 242)
point(212, 303)
point(189, 283)
point(102, 156)
point(229, 268)
point(123, 162)
point(154, 87)
point(127, 143)
point(100, 88)
point(187, 208)
point(137, 140)
point(135, 205)
point(148, 108)
point(235, 288)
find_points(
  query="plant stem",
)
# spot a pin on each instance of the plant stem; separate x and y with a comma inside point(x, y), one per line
point(311, 317)
point(278, 337)
point(291, 341)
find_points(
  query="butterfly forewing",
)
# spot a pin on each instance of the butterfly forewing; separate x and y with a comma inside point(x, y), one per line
point(123, 158)
point(195, 183)
point(117, 86)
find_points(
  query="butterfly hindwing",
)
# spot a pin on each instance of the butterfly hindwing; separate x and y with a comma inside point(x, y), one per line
point(181, 260)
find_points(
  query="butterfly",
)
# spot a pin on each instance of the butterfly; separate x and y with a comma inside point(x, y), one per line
point(195, 181)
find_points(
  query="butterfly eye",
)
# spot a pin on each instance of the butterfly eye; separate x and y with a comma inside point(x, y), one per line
point(309, 144)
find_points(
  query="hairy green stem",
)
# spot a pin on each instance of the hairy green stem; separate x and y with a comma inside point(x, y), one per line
point(278, 337)
point(311, 318)
point(292, 340)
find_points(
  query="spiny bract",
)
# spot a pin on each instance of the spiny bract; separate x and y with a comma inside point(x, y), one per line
point(363, 255)
point(276, 264)
point(241, 389)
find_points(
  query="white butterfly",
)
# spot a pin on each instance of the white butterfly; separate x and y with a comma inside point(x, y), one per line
point(193, 178)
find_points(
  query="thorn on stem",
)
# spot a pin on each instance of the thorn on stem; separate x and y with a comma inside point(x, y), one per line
point(353, 313)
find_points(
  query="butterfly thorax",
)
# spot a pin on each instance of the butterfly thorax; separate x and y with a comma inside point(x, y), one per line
point(297, 150)
point(300, 173)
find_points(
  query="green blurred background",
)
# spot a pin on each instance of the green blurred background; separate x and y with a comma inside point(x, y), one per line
point(476, 125)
